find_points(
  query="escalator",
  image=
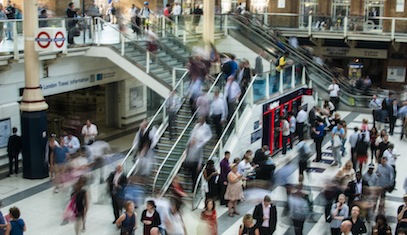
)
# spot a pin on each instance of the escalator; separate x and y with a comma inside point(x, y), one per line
point(255, 37)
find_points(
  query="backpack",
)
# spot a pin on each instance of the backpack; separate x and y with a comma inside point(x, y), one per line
point(227, 68)
point(361, 146)
point(277, 63)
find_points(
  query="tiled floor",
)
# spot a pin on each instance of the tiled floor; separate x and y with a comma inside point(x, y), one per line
point(42, 210)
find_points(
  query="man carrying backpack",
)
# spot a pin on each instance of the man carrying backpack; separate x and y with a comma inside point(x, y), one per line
point(361, 150)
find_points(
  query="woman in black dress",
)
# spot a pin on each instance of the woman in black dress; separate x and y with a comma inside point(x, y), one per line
point(210, 174)
point(150, 217)
point(248, 227)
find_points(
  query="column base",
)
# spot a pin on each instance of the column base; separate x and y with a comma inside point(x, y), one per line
point(34, 138)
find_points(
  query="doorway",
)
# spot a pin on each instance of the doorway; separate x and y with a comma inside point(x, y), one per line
point(373, 9)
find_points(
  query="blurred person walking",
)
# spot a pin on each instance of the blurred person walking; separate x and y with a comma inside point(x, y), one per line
point(14, 146)
point(385, 175)
point(299, 210)
point(200, 135)
point(393, 112)
point(144, 137)
point(173, 104)
point(61, 156)
point(72, 142)
point(174, 223)
point(117, 182)
point(232, 95)
point(3, 17)
point(127, 222)
point(81, 204)
point(218, 112)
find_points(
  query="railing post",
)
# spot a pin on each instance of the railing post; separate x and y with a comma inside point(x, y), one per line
point(281, 88)
point(174, 72)
point(267, 85)
point(182, 88)
point(265, 18)
point(345, 26)
point(316, 97)
point(164, 113)
point(148, 62)
point(303, 76)
point(393, 28)
point(251, 96)
point(122, 42)
point(15, 41)
point(226, 25)
point(309, 25)
point(163, 26)
point(236, 121)
point(176, 26)
point(92, 29)
point(293, 76)
point(99, 22)
point(310, 84)
point(184, 37)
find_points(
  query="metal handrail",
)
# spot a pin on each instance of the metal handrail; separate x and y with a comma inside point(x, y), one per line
point(224, 133)
point(178, 140)
point(184, 28)
point(135, 44)
point(154, 117)
point(325, 72)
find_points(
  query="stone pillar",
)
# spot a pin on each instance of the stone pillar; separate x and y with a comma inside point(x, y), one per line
point(209, 21)
point(33, 105)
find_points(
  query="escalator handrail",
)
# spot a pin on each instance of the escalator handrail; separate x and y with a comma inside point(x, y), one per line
point(163, 105)
point(143, 49)
point(349, 93)
point(316, 66)
point(176, 143)
point(199, 179)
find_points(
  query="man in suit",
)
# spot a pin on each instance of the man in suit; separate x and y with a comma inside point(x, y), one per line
point(265, 215)
point(393, 110)
point(117, 181)
point(13, 150)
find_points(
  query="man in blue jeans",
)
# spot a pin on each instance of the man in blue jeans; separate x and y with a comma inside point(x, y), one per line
point(338, 134)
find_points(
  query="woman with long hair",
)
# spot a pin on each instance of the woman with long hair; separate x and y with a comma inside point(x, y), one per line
point(209, 215)
point(381, 227)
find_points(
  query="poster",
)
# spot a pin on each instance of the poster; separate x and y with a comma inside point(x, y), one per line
point(396, 74)
point(281, 4)
point(136, 97)
point(400, 5)
point(5, 132)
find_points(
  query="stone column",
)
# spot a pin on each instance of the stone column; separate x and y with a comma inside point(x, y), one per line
point(209, 21)
point(33, 105)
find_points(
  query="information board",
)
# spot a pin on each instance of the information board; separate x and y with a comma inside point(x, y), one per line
point(5, 132)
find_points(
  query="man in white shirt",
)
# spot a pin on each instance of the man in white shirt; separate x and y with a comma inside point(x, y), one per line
point(293, 123)
point(89, 132)
point(72, 142)
point(391, 156)
point(176, 12)
point(334, 93)
point(218, 112)
point(173, 104)
point(285, 129)
point(375, 104)
point(200, 135)
point(346, 227)
point(232, 95)
point(133, 17)
point(203, 105)
point(302, 117)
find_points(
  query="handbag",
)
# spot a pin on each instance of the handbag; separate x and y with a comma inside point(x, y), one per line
point(337, 142)
point(70, 211)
